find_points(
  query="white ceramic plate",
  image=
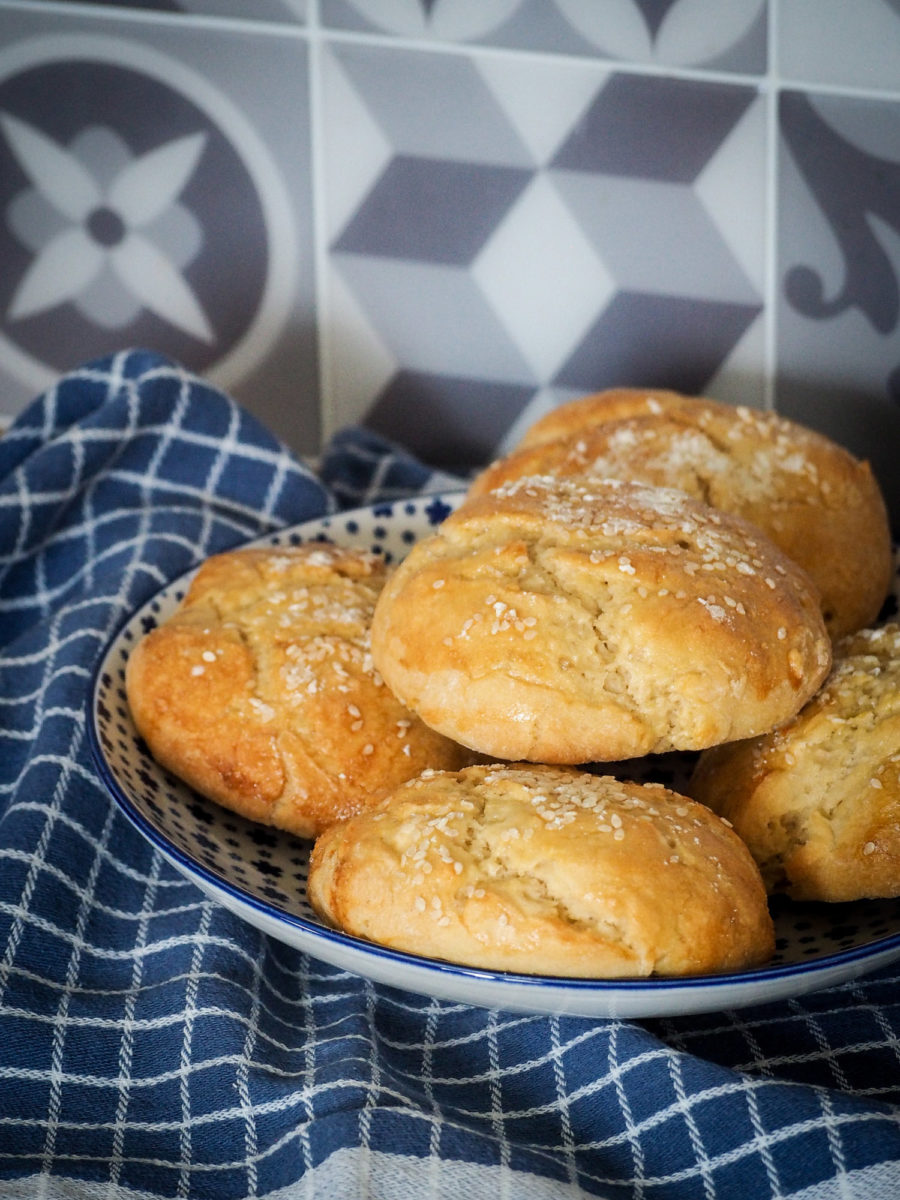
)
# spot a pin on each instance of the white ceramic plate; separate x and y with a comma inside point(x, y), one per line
point(260, 873)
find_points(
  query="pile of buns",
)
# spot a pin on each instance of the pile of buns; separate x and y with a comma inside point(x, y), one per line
point(645, 573)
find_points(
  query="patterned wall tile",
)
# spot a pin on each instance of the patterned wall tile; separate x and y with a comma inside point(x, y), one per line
point(493, 259)
point(839, 272)
point(839, 42)
point(729, 35)
point(154, 190)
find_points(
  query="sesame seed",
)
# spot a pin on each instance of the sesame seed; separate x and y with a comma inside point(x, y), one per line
point(265, 711)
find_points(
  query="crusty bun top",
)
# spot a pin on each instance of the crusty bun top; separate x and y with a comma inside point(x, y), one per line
point(810, 496)
point(260, 691)
point(565, 621)
point(818, 800)
point(547, 871)
point(613, 404)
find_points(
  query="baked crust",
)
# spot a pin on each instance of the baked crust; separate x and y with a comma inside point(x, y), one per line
point(612, 404)
point(810, 496)
point(260, 692)
point(548, 871)
point(568, 621)
point(818, 800)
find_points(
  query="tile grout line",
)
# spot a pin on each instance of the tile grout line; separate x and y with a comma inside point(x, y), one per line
point(312, 29)
point(318, 200)
point(701, 74)
point(772, 224)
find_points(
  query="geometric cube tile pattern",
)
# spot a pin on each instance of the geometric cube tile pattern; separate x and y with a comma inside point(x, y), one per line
point(548, 248)
point(442, 217)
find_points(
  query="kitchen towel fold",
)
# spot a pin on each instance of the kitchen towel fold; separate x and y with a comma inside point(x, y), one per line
point(153, 1045)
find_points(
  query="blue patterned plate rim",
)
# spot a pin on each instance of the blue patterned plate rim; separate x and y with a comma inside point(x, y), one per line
point(390, 528)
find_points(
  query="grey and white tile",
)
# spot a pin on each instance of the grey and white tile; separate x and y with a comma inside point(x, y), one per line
point(495, 259)
point(155, 193)
point(839, 272)
point(843, 43)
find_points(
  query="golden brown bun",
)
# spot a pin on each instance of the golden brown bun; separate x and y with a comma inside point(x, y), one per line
point(818, 802)
point(816, 501)
point(567, 621)
point(260, 691)
point(548, 871)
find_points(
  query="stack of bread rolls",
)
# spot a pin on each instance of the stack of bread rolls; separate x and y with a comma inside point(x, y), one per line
point(646, 572)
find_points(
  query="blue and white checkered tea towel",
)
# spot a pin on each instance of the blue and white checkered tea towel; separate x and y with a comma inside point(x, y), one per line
point(153, 1045)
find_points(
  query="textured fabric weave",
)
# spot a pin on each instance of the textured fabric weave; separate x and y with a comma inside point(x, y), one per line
point(153, 1045)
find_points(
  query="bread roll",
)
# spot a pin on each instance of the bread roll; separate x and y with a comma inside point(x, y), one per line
point(818, 800)
point(261, 694)
point(548, 871)
point(567, 621)
point(816, 501)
